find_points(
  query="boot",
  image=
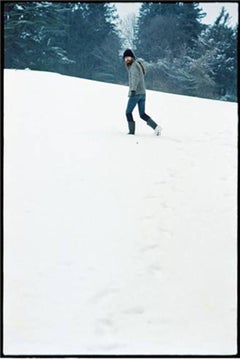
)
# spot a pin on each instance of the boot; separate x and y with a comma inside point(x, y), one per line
point(131, 126)
point(158, 130)
point(156, 127)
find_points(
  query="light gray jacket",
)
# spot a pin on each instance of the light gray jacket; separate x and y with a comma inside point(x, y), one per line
point(136, 78)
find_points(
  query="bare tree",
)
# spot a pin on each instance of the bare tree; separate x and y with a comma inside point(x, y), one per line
point(128, 31)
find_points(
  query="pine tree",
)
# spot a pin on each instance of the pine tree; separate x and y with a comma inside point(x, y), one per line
point(78, 39)
point(164, 29)
point(28, 31)
point(220, 40)
point(33, 35)
point(95, 43)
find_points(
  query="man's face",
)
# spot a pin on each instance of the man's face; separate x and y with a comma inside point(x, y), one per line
point(128, 60)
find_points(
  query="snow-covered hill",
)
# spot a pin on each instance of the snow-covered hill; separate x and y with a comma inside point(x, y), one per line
point(117, 244)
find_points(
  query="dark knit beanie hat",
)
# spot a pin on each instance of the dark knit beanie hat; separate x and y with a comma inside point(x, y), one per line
point(128, 52)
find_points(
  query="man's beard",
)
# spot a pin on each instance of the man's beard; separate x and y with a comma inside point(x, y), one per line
point(129, 62)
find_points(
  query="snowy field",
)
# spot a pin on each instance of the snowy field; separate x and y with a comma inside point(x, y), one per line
point(117, 244)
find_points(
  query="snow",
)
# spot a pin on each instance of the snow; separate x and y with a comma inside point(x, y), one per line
point(117, 244)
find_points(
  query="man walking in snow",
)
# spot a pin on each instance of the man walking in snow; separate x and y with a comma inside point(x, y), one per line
point(137, 93)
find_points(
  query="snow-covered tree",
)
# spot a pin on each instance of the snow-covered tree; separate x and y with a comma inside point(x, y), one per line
point(34, 35)
point(220, 39)
point(78, 39)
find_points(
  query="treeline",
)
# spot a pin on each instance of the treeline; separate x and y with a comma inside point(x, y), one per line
point(76, 39)
point(185, 56)
point(84, 39)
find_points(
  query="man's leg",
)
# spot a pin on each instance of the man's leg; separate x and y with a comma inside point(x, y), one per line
point(130, 107)
point(141, 108)
point(143, 115)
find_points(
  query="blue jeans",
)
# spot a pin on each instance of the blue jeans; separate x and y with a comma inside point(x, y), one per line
point(132, 102)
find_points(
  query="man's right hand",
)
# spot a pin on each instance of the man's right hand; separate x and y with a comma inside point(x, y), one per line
point(133, 93)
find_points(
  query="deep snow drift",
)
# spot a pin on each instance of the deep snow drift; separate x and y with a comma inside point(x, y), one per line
point(117, 244)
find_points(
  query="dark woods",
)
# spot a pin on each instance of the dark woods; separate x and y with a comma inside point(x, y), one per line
point(86, 40)
point(77, 39)
point(186, 56)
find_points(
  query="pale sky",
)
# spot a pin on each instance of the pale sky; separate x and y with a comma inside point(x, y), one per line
point(211, 9)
